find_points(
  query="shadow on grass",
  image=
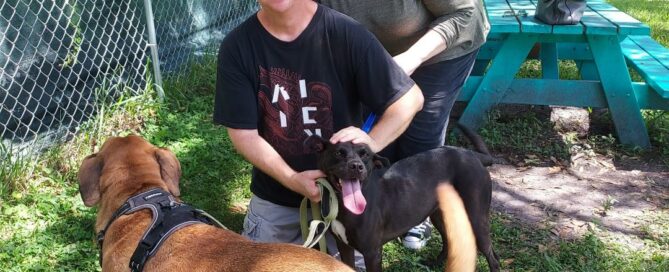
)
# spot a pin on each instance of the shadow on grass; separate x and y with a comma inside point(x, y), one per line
point(522, 247)
point(66, 243)
point(76, 233)
point(522, 133)
point(655, 159)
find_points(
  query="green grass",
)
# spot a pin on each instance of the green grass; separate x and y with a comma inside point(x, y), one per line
point(215, 177)
point(44, 225)
point(12, 169)
point(524, 248)
point(527, 138)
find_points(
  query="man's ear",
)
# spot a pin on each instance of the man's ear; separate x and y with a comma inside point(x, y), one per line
point(170, 170)
point(89, 179)
point(380, 161)
point(315, 143)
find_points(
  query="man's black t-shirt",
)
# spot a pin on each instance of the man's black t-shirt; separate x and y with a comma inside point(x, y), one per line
point(315, 84)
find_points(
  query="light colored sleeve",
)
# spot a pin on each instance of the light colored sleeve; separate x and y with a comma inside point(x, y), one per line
point(452, 17)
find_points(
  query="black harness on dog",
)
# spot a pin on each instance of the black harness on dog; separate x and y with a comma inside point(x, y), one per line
point(168, 217)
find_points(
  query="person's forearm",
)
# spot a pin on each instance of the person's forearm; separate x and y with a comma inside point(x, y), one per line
point(396, 118)
point(427, 46)
point(261, 154)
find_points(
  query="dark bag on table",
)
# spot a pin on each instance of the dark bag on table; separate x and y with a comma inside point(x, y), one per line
point(560, 12)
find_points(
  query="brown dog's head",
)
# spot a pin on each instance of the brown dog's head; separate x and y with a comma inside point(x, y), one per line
point(125, 166)
point(347, 166)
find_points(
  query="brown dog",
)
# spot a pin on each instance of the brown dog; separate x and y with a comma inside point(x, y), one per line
point(127, 166)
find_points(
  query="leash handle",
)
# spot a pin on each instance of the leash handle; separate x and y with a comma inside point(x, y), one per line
point(309, 230)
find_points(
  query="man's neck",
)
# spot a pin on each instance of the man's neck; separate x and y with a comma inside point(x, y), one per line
point(287, 25)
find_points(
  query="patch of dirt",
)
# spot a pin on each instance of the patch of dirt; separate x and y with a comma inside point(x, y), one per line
point(591, 191)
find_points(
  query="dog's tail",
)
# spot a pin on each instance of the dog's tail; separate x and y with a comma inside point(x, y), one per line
point(459, 233)
point(480, 146)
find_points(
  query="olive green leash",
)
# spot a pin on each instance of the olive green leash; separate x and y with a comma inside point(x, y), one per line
point(309, 229)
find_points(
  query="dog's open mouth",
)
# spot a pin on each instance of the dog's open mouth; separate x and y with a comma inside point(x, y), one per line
point(352, 196)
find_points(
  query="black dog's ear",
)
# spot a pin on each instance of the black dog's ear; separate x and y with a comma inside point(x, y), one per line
point(316, 143)
point(380, 161)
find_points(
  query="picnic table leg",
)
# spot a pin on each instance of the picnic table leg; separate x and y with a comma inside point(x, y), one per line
point(549, 61)
point(618, 90)
point(588, 70)
point(497, 80)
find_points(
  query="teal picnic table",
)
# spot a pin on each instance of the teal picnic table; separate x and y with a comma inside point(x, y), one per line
point(595, 45)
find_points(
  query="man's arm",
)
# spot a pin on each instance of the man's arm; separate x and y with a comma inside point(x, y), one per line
point(392, 123)
point(262, 155)
point(396, 118)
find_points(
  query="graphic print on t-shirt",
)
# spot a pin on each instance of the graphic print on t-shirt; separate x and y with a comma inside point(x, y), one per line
point(293, 109)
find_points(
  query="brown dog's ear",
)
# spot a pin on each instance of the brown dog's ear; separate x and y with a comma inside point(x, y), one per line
point(89, 180)
point(380, 161)
point(316, 143)
point(170, 170)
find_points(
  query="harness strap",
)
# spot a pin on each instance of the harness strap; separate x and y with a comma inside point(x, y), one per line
point(168, 216)
point(330, 208)
point(173, 219)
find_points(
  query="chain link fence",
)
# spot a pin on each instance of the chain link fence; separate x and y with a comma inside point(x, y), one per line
point(58, 58)
point(188, 30)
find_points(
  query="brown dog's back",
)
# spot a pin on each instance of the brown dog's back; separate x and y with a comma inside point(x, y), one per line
point(205, 248)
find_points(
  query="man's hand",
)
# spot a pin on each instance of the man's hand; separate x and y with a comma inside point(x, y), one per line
point(261, 154)
point(304, 183)
point(355, 135)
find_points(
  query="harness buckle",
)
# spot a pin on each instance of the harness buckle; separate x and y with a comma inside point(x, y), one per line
point(100, 237)
point(138, 258)
point(135, 267)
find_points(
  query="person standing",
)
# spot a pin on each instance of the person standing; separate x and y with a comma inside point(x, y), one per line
point(436, 42)
point(294, 69)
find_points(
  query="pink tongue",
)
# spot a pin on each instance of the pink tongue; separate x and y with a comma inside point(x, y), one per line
point(354, 201)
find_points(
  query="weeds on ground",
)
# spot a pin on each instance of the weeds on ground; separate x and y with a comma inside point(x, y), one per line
point(13, 171)
point(44, 224)
point(529, 139)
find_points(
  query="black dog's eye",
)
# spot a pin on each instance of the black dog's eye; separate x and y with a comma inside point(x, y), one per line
point(340, 153)
point(363, 153)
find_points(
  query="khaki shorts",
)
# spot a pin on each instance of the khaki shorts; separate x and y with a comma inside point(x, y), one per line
point(266, 222)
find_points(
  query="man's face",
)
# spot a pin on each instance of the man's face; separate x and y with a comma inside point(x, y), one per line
point(278, 5)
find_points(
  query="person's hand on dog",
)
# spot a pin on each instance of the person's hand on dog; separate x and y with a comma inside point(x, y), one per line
point(304, 183)
point(354, 135)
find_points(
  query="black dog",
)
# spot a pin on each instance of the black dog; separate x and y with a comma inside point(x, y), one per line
point(383, 202)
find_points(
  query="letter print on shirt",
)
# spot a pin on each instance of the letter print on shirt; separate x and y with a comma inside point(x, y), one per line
point(293, 108)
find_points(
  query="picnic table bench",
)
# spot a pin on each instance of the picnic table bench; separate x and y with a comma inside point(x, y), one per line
point(602, 45)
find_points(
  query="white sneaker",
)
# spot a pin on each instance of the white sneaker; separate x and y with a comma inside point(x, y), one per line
point(416, 238)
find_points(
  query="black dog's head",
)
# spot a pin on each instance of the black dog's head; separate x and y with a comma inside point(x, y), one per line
point(347, 166)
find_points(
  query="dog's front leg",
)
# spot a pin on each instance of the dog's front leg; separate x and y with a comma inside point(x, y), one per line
point(373, 260)
point(346, 253)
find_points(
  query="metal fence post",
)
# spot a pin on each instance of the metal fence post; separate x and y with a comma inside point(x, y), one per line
point(153, 44)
